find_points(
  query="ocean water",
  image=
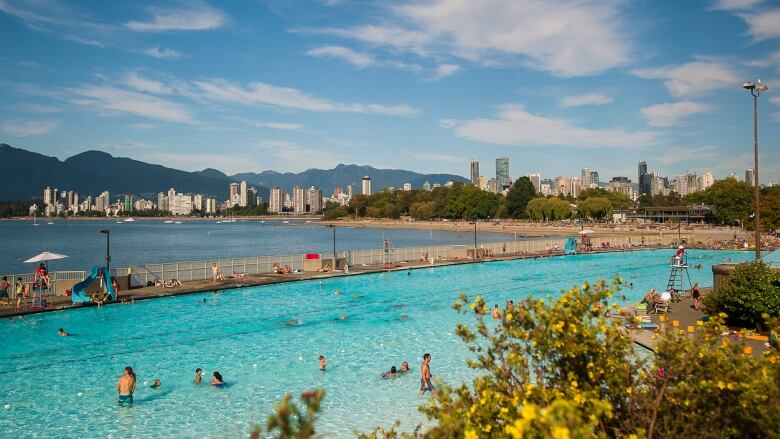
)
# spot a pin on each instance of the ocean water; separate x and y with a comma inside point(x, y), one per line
point(152, 241)
point(64, 387)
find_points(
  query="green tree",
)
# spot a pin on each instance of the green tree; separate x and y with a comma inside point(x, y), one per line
point(616, 199)
point(594, 207)
point(358, 204)
point(518, 197)
point(289, 422)
point(732, 200)
point(749, 292)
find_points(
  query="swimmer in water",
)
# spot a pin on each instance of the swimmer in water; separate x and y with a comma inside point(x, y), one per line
point(343, 317)
point(198, 375)
point(217, 380)
point(323, 363)
point(496, 312)
point(156, 384)
point(405, 367)
point(337, 293)
point(63, 333)
point(405, 317)
point(392, 373)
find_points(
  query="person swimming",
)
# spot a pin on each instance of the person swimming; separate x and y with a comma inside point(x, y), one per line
point(496, 312)
point(157, 383)
point(323, 363)
point(392, 373)
point(198, 375)
point(405, 367)
point(217, 380)
point(63, 333)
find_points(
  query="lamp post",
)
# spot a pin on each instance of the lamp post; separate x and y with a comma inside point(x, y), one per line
point(755, 89)
point(108, 248)
point(335, 261)
point(475, 239)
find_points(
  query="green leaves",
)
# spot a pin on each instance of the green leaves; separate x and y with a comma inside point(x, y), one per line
point(751, 290)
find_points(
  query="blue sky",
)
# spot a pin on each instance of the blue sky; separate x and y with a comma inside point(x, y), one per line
point(555, 85)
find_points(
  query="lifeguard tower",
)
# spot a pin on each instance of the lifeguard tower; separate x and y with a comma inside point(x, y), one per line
point(387, 262)
point(678, 276)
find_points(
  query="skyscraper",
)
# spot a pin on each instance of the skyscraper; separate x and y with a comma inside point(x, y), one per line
point(234, 191)
point(243, 194)
point(705, 181)
point(502, 173)
point(315, 200)
point(426, 186)
point(643, 179)
point(594, 179)
point(275, 203)
point(585, 178)
point(366, 189)
point(474, 172)
point(750, 177)
point(299, 200)
point(536, 179)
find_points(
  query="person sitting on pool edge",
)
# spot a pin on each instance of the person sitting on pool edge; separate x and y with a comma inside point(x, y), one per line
point(217, 380)
point(392, 373)
point(198, 374)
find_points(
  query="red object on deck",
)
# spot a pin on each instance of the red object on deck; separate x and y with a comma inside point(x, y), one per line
point(312, 255)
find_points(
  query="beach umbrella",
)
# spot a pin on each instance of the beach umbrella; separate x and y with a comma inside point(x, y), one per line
point(45, 256)
point(586, 232)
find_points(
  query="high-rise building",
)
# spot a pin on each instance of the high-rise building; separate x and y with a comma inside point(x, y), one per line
point(585, 178)
point(298, 200)
point(594, 179)
point(179, 204)
point(128, 203)
point(658, 185)
point(315, 200)
point(198, 202)
point(705, 181)
point(750, 177)
point(249, 197)
point(275, 202)
point(643, 178)
point(502, 173)
point(536, 180)
point(243, 194)
point(574, 187)
point(474, 172)
point(623, 186)
point(562, 186)
point(492, 185)
point(366, 187)
point(482, 183)
point(162, 202)
point(426, 186)
point(234, 194)
point(408, 186)
point(211, 205)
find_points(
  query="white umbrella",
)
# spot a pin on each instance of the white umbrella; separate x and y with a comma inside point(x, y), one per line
point(45, 256)
point(586, 232)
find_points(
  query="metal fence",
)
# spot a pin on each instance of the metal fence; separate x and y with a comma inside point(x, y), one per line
point(141, 275)
point(59, 281)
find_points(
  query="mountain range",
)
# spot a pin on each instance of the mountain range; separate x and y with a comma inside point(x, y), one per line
point(92, 172)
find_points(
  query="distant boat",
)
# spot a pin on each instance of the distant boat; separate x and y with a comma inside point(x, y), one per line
point(119, 222)
point(262, 221)
point(50, 222)
point(285, 222)
point(219, 222)
point(177, 222)
point(129, 220)
point(168, 222)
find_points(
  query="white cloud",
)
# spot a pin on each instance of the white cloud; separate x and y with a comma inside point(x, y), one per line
point(517, 127)
point(138, 82)
point(572, 39)
point(43, 109)
point(27, 129)
point(763, 25)
point(672, 114)
point(693, 78)
point(259, 93)
point(163, 53)
point(143, 126)
point(447, 158)
point(113, 99)
point(199, 17)
point(688, 154)
point(444, 70)
point(586, 99)
point(278, 125)
point(732, 5)
point(59, 19)
point(357, 59)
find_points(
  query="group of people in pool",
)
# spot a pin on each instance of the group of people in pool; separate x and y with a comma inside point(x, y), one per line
point(426, 378)
point(125, 387)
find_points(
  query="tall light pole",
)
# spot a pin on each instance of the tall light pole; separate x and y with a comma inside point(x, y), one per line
point(335, 262)
point(108, 248)
point(475, 239)
point(755, 89)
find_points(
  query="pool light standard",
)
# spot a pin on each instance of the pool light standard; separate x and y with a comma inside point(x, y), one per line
point(755, 89)
point(335, 262)
point(475, 239)
point(108, 248)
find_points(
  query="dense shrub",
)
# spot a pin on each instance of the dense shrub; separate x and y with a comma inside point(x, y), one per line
point(751, 290)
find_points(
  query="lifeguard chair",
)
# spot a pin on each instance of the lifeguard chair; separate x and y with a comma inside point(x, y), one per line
point(678, 276)
point(387, 262)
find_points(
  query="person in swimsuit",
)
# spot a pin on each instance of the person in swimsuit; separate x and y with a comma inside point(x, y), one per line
point(156, 384)
point(323, 363)
point(198, 374)
point(425, 379)
point(62, 333)
point(392, 373)
point(696, 294)
point(496, 312)
point(405, 367)
point(126, 386)
point(217, 380)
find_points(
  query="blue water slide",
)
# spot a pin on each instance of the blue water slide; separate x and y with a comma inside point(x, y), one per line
point(571, 246)
point(78, 293)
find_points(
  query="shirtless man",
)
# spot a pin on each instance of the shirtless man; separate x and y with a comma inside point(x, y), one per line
point(496, 312)
point(425, 379)
point(323, 362)
point(198, 375)
point(126, 386)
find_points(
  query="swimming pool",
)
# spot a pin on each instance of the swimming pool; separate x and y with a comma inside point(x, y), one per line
point(54, 386)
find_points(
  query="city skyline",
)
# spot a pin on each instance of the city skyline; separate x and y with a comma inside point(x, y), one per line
point(251, 87)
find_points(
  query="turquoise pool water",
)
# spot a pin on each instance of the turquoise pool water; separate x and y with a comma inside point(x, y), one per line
point(54, 386)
